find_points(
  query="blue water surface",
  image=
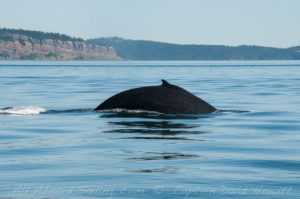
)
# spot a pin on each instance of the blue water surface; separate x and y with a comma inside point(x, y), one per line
point(250, 149)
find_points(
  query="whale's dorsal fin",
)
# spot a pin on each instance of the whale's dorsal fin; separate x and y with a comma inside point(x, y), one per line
point(165, 83)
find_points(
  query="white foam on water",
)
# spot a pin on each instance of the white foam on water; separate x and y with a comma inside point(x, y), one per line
point(30, 110)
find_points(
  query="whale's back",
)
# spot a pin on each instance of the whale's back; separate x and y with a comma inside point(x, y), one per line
point(166, 98)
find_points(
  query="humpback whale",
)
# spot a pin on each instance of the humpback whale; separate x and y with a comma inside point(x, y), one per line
point(165, 98)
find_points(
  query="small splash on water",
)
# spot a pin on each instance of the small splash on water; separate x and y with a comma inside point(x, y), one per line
point(233, 111)
point(30, 110)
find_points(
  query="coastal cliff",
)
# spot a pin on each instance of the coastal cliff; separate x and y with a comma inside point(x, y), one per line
point(35, 45)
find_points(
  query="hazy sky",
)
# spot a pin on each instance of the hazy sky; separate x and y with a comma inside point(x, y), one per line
point(229, 22)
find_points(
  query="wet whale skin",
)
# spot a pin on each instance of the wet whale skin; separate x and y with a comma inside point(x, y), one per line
point(165, 98)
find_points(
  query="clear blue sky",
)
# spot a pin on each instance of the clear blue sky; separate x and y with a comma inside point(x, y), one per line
point(273, 23)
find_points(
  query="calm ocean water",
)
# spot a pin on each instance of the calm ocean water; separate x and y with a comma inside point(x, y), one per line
point(53, 145)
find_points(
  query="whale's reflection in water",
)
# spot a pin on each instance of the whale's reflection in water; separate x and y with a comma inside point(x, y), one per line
point(164, 156)
point(160, 138)
point(162, 128)
point(157, 156)
point(153, 130)
point(167, 169)
point(156, 124)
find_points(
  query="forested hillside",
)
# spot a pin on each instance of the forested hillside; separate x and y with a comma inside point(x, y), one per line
point(150, 50)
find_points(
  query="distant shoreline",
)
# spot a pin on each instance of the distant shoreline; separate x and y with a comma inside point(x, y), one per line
point(18, 44)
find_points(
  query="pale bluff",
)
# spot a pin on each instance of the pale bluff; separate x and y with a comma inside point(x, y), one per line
point(19, 44)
